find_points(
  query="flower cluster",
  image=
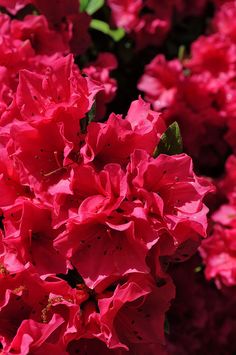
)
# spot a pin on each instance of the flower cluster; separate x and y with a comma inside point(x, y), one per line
point(199, 92)
point(90, 215)
point(93, 204)
point(100, 212)
point(218, 251)
point(62, 16)
point(149, 22)
point(29, 44)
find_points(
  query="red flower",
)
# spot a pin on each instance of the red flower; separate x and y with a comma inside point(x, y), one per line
point(218, 253)
point(99, 71)
point(125, 13)
point(116, 249)
point(36, 29)
point(116, 139)
point(134, 315)
point(223, 21)
point(13, 6)
point(61, 91)
point(30, 311)
point(214, 54)
point(172, 202)
point(160, 81)
point(28, 232)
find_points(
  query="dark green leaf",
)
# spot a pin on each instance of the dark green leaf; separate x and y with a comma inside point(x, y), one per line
point(84, 122)
point(92, 113)
point(170, 142)
point(83, 125)
point(103, 27)
point(167, 327)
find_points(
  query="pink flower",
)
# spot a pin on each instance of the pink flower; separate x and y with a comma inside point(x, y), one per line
point(30, 312)
point(125, 13)
point(51, 109)
point(99, 71)
point(172, 202)
point(151, 30)
point(214, 54)
point(89, 218)
point(62, 90)
point(149, 22)
point(28, 232)
point(167, 210)
point(116, 139)
point(200, 103)
point(227, 184)
point(147, 29)
point(134, 314)
point(85, 243)
point(226, 216)
point(38, 161)
point(160, 81)
point(13, 6)
point(26, 44)
point(36, 29)
point(218, 253)
point(32, 335)
point(223, 21)
point(14, 53)
point(90, 195)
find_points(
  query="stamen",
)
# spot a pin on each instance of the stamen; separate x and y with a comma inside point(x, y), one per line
point(57, 170)
point(19, 289)
point(3, 270)
point(52, 301)
point(57, 158)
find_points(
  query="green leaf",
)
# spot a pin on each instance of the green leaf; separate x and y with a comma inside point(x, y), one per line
point(93, 6)
point(170, 142)
point(92, 113)
point(181, 53)
point(83, 5)
point(84, 122)
point(103, 27)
